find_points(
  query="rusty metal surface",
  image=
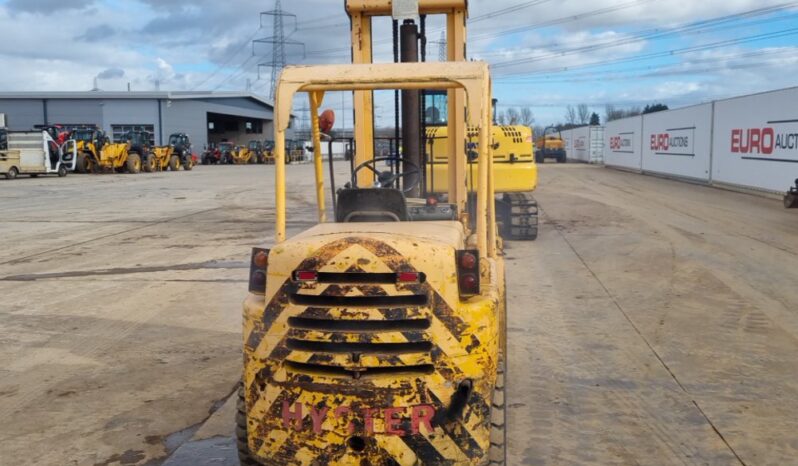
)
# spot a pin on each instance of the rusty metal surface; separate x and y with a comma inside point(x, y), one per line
point(300, 413)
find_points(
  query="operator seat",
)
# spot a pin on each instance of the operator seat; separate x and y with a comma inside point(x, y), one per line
point(370, 205)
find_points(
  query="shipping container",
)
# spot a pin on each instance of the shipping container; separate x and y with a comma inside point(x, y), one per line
point(622, 143)
point(678, 142)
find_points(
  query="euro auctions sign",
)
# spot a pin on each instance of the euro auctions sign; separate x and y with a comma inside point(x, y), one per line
point(622, 143)
point(675, 141)
point(777, 141)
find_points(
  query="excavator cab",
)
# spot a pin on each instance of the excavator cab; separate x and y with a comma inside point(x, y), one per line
point(378, 337)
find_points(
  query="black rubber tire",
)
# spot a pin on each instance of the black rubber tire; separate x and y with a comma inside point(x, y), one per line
point(497, 454)
point(561, 158)
point(12, 173)
point(133, 163)
point(62, 171)
point(539, 158)
point(81, 165)
point(148, 164)
point(245, 457)
point(791, 201)
point(174, 163)
point(187, 165)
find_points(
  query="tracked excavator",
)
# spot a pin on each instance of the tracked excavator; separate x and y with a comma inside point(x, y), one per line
point(516, 170)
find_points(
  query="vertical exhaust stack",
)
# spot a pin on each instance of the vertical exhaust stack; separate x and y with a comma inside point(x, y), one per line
point(411, 104)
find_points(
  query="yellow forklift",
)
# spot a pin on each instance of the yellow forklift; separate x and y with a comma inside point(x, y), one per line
point(378, 338)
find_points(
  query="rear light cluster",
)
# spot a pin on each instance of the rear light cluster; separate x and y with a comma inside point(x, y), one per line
point(258, 265)
point(467, 272)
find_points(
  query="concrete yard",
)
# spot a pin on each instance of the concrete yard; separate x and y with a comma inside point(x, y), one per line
point(652, 322)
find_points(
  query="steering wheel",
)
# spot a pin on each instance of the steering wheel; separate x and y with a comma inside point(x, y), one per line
point(386, 179)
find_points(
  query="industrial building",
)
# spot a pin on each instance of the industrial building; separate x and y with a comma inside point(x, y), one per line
point(205, 116)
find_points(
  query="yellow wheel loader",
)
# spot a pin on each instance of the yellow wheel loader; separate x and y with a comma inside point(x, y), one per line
point(268, 152)
point(89, 143)
point(97, 154)
point(378, 338)
point(243, 155)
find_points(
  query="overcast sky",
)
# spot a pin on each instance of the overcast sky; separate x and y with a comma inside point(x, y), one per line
point(544, 53)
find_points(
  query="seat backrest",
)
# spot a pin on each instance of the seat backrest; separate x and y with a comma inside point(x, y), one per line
point(370, 205)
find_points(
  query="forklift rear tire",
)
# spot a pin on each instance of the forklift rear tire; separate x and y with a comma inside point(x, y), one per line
point(12, 173)
point(133, 163)
point(62, 171)
point(244, 455)
point(497, 454)
point(174, 163)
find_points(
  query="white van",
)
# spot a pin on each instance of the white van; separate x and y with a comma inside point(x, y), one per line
point(35, 153)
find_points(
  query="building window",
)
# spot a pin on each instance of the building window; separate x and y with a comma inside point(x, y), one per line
point(119, 131)
point(254, 127)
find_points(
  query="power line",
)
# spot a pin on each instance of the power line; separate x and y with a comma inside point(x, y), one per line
point(226, 62)
point(279, 41)
point(647, 34)
point(669, 70)
point(557, 21)
point(504, 11)
point(236, 73)
point(668, 53)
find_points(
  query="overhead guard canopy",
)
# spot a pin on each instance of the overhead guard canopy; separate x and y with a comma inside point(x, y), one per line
point(383, 7)
point(473, 77)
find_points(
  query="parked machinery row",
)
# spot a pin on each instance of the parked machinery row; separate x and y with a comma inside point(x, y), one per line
point(96, 153)
point(54, 149)
point(255, 152)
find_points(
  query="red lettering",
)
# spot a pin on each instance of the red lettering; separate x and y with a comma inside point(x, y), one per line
point(753, 140)
point(368, 419)
point(421, 414)
point(340, 412)
point(318, 418)
point(653, 142)
point(736, 135)
point(392, 424)
point(767, 135)
point(295, 416)
point(663, 142)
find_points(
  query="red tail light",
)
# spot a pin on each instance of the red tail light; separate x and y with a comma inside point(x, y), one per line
point(306, 276)
point(408, 277)
point(467, 262)
point(258, 266)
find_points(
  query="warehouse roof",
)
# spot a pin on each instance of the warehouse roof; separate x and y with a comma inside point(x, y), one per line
point(166, 95)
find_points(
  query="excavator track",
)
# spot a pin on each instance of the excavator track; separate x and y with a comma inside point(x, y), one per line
point(519, 216)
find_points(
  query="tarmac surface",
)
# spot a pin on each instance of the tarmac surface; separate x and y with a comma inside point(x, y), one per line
point(652, 322)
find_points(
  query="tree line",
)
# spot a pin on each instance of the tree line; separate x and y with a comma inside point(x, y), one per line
point(575, 116)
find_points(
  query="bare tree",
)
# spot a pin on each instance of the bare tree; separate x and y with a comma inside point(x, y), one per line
point(527, 117)
point(570, 115)
point(501, 118)
point(513, 117)
point(612, 113)
point(583, 113)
